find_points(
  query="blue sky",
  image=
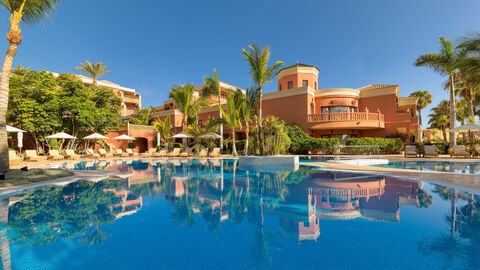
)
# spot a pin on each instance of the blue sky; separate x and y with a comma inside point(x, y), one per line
point(149, 45)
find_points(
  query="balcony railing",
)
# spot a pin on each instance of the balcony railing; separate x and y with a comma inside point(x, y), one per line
point(345, 116)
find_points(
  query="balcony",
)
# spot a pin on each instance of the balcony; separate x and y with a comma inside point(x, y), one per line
point(131, 99)
point(346, 120)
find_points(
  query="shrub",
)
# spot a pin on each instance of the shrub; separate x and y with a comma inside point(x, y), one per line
point(131, 145)
point(53, 144)
point(301, 143)
point(275, 137)
point(386, 145)
point(402, 136)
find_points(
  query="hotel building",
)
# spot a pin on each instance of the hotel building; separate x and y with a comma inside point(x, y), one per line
point(376, 110)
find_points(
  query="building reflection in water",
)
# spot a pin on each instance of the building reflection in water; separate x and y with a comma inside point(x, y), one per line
point(218, 192)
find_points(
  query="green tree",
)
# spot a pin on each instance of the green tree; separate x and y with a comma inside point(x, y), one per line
point(231, 116)
point(186, 102)
point(94, 70)
point(260, 74)
point(247, 113)
point(164, 127)
point(424, 99)
point(444, 62)
point(31, 12)
point(142, 116)
point(212, 88)
point(439, 117)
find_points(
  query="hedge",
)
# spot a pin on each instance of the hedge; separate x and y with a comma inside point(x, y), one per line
point(301, 143)
point(386, 145)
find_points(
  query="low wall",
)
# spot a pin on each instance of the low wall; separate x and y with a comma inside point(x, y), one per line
point(269, 163)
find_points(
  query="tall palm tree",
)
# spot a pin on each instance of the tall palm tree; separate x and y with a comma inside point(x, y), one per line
point(247, 113)
point(444, 62)
point(231, 116)
point(212, 88)
point(424, 99)
point(439, 117)
point(186, 102)
point(94, 70)
point(261, 74)
point(31, 12)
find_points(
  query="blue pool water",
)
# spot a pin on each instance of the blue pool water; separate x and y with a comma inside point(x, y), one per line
point(213, 215)
point(441, 166)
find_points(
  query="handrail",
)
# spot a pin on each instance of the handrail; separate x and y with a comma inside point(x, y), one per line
point(346, 116)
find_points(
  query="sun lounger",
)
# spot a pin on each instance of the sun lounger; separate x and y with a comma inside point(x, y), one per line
point(163, 153)
point(31, 155)
point(203, 153)
point(430, 151)
point(13, 158)
point(175, 153)
point(54, 155)
point(70, 154)
point(89, 153)
point(215, 152)
point(410, 151)
point(131, 153)
point(120, 153)
point(187, 153)
point(476, 150)
point(459, 151)
point(149, 153)
point(104, 153)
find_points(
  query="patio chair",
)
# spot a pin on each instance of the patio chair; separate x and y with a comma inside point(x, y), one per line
point(175, 153)
point(459, 151)
point(31, 155)
point(131, 153)
point(70, 154)
point(430, 151)
point(215, 152)
point(149, 153)
point(120, 153)
point(410, 151)
point(187, 153)
point(162, 153)
point(104, 153)
point(13, 158)
point(476, 150)
point(54, 155)
point(203, 153)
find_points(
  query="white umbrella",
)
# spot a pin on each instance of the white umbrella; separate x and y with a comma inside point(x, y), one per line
point(61, 135)
point(124, 137)
point(95, 136)
point(210, 135)
point(467, 127)
point(182, 135)
point(14, 129)
point(158, 138)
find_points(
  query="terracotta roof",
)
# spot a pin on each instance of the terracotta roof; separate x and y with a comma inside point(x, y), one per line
point(377, 86)
point(298, 65)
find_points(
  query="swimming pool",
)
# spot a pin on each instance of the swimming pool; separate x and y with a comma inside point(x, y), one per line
point(199, 214)
point(441, 166)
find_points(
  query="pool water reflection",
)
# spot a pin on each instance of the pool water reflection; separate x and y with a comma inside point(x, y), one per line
point(199, 214)
point(440, 166)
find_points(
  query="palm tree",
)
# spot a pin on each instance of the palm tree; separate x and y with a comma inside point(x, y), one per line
point(439, 117)
point(212, 88)
point(260, 74)
point(94, 70)
point(231, 117)
point(28, 11)
point(444, 62)
point(424, 99)
point(164, 127)
point(247, 113)
point(186, 103)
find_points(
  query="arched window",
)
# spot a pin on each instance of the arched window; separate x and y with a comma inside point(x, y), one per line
point(312, 108)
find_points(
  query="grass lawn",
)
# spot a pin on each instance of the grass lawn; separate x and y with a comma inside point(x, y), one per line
point(18, 177)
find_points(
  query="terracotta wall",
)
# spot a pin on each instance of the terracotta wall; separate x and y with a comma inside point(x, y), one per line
point(297, 80)
point(291, 109)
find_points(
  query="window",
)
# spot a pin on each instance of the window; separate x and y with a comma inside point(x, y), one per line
point(312, 108)
point(337, 109)
point(290, 84)
point(305, 83)
point(280, 87)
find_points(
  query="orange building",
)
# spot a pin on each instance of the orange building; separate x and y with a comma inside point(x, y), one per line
point(130, 99)
point(375, 110)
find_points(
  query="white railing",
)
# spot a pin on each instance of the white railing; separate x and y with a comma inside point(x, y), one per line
point(345, 116)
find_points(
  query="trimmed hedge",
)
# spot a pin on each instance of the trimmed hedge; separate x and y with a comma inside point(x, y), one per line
point(301, 143)
point(386, 145)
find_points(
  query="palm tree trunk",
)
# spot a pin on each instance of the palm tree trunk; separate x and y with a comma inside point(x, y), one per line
point(260, 133)
point(4, 89)
point(221, 125)
point(420, 117)
point(471, 113)
point(245, 151)
point(234, 147)
point(444, 134)
point(453, 113)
